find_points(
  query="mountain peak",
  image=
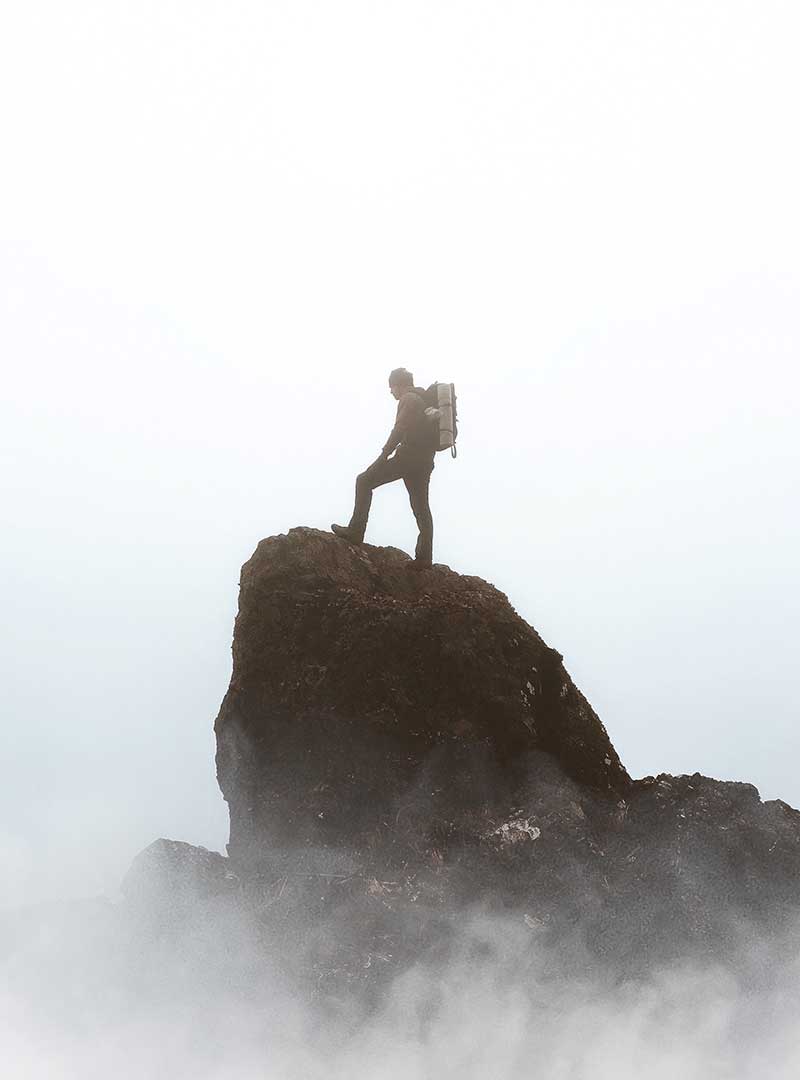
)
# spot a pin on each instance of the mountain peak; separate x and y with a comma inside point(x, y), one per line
point(365, 693)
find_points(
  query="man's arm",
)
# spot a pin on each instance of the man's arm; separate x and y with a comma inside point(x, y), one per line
point(408, 405)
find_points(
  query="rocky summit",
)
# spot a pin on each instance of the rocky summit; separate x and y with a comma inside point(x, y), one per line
point(397, 747)
point(407, 762)
point(370, 702)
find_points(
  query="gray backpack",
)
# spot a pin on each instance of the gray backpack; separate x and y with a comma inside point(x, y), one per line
point(441, 410)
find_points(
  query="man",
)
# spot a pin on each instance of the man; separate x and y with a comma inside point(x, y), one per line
point(408, 456)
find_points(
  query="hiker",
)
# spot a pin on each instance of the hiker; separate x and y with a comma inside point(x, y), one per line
point(408, 456)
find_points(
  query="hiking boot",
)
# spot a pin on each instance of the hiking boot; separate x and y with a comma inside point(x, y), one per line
point(347, 533)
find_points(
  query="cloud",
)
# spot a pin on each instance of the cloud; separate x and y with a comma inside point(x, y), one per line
point(92, 991)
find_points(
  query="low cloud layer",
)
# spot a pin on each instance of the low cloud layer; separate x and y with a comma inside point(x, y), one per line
point(91, 992)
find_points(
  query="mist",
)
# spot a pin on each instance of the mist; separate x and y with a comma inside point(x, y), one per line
point(202, 1002)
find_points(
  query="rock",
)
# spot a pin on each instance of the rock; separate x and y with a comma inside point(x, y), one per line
point(368, 701)
point(396, 748)
point(401, 749)
point(170, 874)
point(413, 779)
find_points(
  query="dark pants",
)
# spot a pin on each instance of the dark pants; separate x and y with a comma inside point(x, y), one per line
point(416, 475)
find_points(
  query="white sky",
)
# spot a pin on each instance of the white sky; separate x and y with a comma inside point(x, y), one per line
point(222, 224)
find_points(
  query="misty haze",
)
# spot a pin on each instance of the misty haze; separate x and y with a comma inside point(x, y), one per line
point(400, 540)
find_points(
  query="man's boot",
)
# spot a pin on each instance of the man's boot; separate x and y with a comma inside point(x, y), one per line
point(347, 532)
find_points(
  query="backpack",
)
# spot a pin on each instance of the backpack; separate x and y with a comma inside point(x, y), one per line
point(441, 410)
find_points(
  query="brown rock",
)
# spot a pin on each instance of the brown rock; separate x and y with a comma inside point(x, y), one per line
point(367, 699)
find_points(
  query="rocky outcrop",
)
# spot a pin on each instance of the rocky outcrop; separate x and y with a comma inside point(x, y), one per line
point(396, 747)
point(371, 702)
point(413, 779)
point(178, 873)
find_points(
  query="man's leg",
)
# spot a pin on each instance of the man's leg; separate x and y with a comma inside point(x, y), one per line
point(417, 483)
point(380, 472)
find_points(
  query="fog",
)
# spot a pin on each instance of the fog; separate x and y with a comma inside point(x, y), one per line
point(200, 1006)
point(220, 228)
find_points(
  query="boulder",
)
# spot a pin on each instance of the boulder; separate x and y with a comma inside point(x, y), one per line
point(372, 702)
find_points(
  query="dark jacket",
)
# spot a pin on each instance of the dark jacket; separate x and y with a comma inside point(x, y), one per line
point(413, 433)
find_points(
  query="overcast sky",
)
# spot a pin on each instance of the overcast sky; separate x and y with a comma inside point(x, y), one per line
point(221, 225)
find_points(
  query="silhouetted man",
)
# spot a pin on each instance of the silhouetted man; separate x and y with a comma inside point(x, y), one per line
point(408, 456)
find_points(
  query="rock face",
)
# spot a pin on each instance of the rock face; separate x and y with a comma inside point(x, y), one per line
point(369, 701)
point(396, 748)
point(415, 787)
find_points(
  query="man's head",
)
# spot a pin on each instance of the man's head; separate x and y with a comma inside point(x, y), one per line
point(400, 382)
